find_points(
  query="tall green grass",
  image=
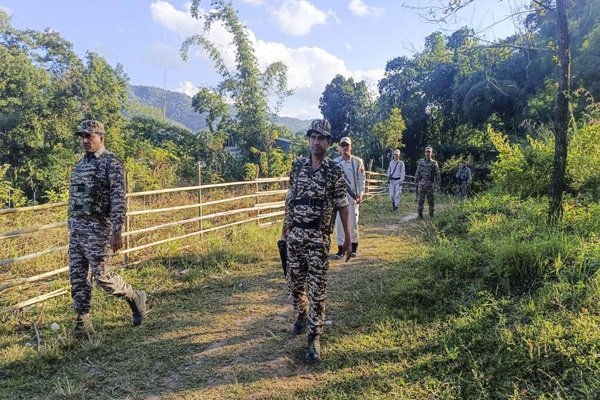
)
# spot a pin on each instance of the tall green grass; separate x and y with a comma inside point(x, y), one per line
point(522, 298)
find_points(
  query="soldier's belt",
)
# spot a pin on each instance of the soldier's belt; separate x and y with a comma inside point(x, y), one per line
point(394, 179)
point(308, 202)
point(306, 225)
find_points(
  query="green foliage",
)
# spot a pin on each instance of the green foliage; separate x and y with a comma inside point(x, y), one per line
point(9, 196)
point(246, 86)
point(389, 132)
point(273, 163)
point(519, 295)
point(347, 105)
point(583, 161)
point(524, 170)
point(45, 92)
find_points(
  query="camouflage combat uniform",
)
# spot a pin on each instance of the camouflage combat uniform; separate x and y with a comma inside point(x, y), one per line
point(311, 203)
point(96, 211)
point(463, 176)
point(427, 180)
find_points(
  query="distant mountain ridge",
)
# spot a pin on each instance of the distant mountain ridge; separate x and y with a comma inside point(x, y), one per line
point(179, 108)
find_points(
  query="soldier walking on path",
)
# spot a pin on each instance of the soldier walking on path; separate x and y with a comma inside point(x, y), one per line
point(427, 181)
point(354, 173)
point(96, 214)
point(317, 189)
point(463, 177)
point(395, 174)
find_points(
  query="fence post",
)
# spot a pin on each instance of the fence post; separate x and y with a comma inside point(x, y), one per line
point(367, 178)
point(200, 198)
point(127, 217)
point(256, 200)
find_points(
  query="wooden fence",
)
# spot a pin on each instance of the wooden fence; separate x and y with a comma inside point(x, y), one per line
point(213, 207)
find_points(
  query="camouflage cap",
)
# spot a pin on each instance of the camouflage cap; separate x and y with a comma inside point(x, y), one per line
point(346, 139)
point(89, 126)
point(429, 148)
point(396, 152)
point(321, 126)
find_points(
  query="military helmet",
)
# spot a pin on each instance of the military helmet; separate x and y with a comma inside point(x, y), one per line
point(90, 126)
point(321, 126)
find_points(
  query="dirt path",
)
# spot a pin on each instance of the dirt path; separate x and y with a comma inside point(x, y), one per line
point(219, 326)
point(244, 350)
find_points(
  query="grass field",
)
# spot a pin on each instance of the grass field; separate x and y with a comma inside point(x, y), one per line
point(403, 326)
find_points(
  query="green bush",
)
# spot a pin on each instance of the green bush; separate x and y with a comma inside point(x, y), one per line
point(520, 299)
point(524, 170)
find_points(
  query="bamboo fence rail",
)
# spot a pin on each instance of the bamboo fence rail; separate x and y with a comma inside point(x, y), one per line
point(375, 187)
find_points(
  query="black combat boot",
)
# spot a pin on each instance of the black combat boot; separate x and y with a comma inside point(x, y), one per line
point(420, 215)
point(430, 213)
point(138, 307)
point(299, 326)
point(354, 250)
point(339, 254)
point(313, 351)
point(83, 326)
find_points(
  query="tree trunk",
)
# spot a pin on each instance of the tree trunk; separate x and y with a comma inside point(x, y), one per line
point(561, 123)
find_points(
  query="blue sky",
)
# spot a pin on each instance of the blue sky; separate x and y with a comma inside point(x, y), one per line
point(317, 39)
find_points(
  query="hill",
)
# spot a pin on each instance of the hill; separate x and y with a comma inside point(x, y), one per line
point(179, 108)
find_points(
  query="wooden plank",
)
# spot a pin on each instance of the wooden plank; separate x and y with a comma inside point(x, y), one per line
point(32, 208)
point(273, 214)
point(22, 281)
point(18, 306)
point(8, 261)
point(209, 186)
point(32, 229)
point(207, 216)
point(208, 203)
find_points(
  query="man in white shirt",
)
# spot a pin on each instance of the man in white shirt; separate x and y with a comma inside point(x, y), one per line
point(354, 172)
point(395, 176)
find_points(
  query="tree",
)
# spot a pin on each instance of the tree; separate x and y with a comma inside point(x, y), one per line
point(562, 112)
point(389, 132)
point(245, 86)
point(45, 91)
point(561, 123)
point(347, 105)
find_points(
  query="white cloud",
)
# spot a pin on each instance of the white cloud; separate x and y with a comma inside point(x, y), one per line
point(310, 69)
point(6, 10)
point(297, 17)
point(360, 8)
point(254, 2)
point(188, 88)
point(182, 23)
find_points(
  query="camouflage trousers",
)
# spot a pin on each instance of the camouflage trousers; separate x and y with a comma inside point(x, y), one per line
point(307, 263)
point(463, 189)
point(89, 246)
point(426, 190)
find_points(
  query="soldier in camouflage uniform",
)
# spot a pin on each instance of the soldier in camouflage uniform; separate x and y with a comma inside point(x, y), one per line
point(317, 189)
point(96, 213)
point(427, 180)
point(463, 177)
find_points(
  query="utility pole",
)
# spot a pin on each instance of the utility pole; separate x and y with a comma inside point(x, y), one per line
point(165, 94)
